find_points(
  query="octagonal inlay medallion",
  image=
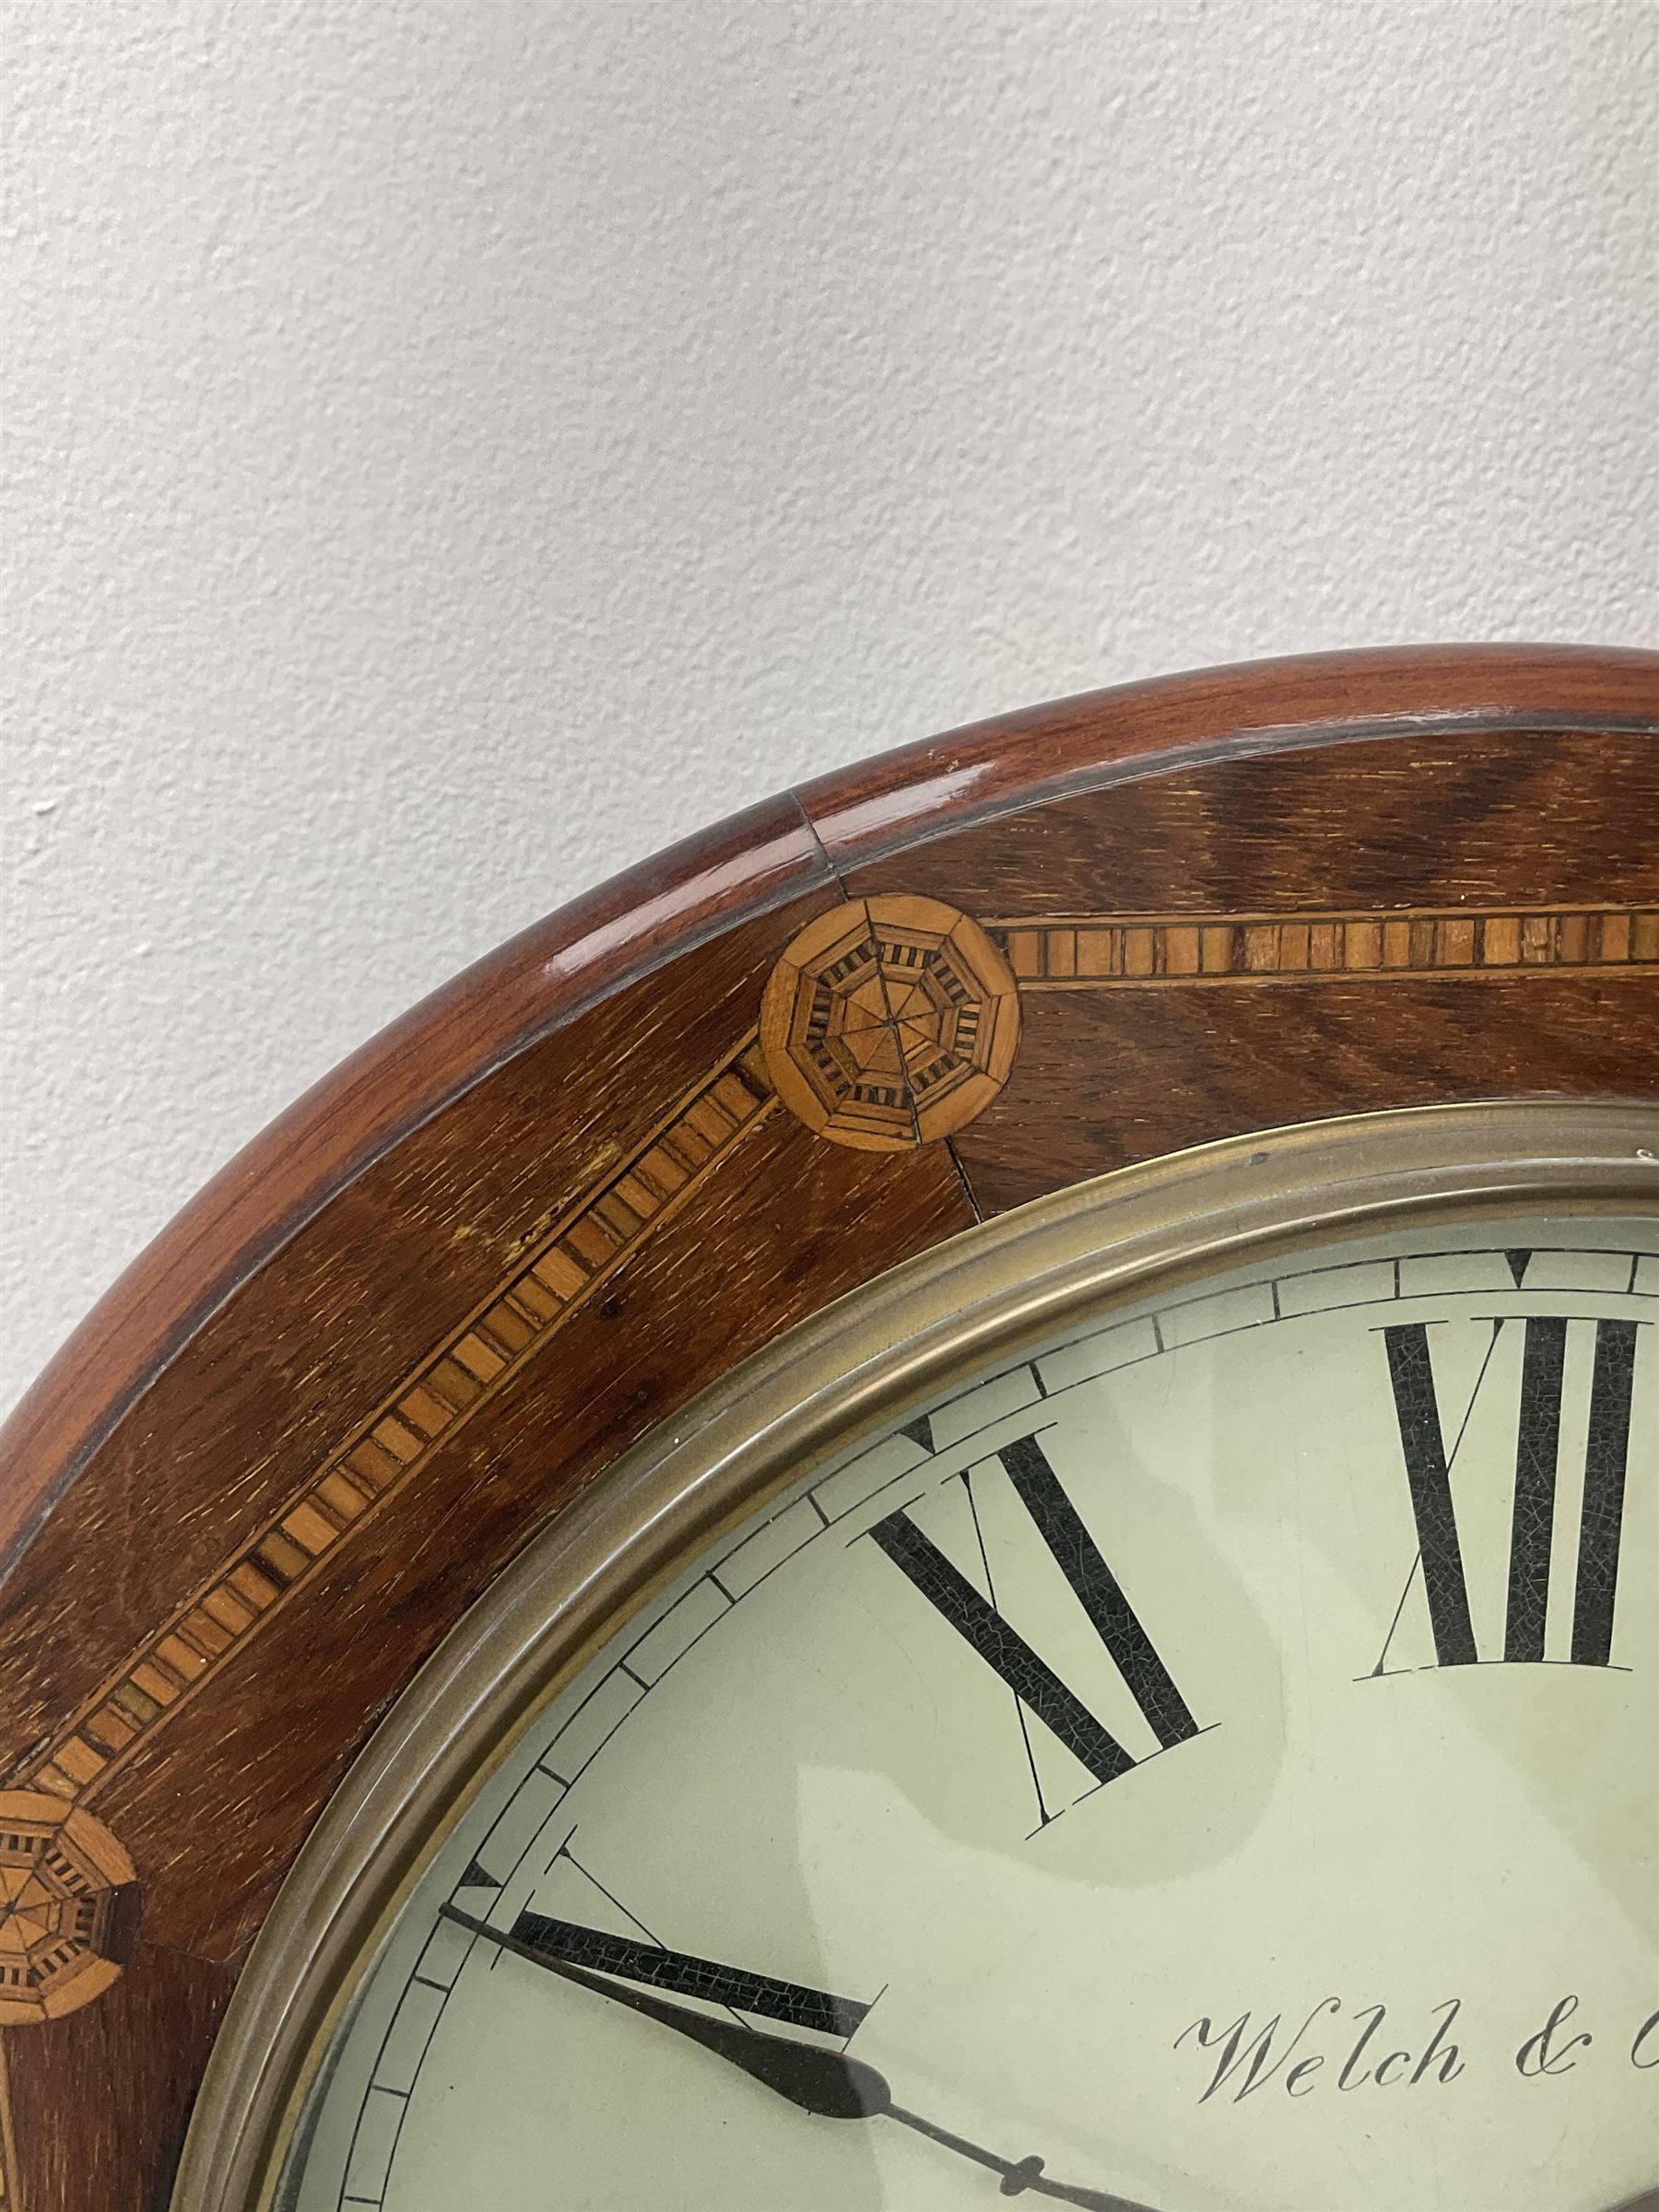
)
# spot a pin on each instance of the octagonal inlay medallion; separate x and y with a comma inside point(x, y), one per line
point(69, 1907)
point(889, 1021)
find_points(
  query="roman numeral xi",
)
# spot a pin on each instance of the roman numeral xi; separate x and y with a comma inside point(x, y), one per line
point(1533, 1512)
point(1036, 1686)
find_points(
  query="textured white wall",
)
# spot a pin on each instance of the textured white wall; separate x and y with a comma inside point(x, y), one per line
point(456, 448)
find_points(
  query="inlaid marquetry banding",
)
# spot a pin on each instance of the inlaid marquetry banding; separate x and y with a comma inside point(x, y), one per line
point(583, 1248)
point(1082, 951)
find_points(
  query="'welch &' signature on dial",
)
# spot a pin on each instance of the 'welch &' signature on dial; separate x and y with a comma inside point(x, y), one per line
point(1359, 2047)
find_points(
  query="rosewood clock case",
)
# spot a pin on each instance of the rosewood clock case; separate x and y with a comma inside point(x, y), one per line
point(443, 1295)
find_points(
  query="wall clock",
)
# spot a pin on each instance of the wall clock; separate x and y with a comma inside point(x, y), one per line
point(955, 1497)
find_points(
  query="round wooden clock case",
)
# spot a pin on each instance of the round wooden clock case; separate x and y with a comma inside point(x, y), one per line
point(451, 1288)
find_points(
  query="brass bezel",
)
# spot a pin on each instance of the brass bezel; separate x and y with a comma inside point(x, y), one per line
point(818, 1390)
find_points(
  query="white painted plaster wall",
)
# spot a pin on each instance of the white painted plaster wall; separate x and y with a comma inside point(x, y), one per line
point(454, 449)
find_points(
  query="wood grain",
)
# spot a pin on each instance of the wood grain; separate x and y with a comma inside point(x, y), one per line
point(1470, 824)
point(99, 2101)
point(529, 1222)
point(538, 982)
point(478, 1357)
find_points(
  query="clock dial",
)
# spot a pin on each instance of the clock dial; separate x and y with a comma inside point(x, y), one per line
point(1206, 1762)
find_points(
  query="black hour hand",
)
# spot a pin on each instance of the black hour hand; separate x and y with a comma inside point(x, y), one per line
point(821, 2082)
point(683, 1975)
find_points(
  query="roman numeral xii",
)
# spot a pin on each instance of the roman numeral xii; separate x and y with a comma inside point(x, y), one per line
point(1537, 1469)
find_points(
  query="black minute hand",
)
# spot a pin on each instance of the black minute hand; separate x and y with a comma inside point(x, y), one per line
point(824, 2083)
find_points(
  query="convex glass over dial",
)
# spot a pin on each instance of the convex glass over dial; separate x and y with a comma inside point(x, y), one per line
point(1209, 1761)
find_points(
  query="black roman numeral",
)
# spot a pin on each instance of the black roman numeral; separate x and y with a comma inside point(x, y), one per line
point(1533, 1512)
point(1428, 1478)
point(1033, 1682)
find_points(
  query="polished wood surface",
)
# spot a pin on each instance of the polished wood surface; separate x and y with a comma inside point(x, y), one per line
point(1481, 912)
point(439, 1296)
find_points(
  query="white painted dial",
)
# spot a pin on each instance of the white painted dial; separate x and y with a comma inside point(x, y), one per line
point(1210, 1765)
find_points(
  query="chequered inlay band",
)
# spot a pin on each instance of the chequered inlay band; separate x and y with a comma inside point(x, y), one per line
point(577, 1254)
point(1073, 951)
